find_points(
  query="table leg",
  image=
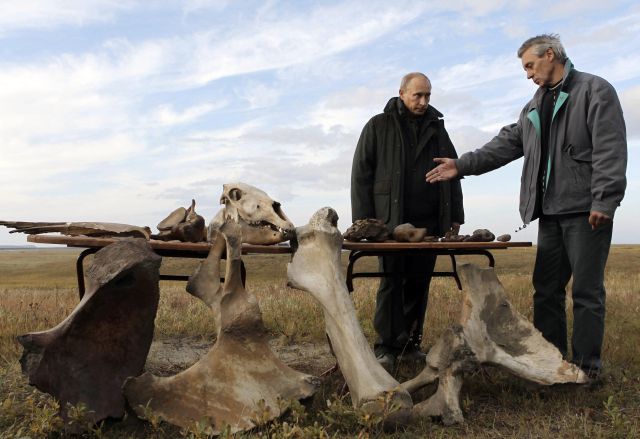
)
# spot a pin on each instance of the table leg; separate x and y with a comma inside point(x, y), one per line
point(80, 269)
point(92, 250)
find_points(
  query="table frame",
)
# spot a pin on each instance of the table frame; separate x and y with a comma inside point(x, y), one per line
point(357, 251)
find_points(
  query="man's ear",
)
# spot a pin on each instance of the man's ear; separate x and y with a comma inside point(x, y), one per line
point(549, 54)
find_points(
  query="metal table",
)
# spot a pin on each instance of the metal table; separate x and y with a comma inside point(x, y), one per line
point(452, 249)
point(357, 251)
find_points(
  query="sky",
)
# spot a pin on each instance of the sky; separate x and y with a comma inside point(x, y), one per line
point(122, 111)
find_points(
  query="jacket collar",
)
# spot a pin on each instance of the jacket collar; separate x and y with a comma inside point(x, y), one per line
point(566, 79)
point(396, 107)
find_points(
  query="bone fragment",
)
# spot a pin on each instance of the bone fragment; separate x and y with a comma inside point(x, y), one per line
point(408, 233)
point(504, 238)
point(316, 268)
point(480, 235)
point(371, 229)
point(94, 229)
point(173, 219)
point(447, 360)
point(451, 237)
point(261, 218)
point(240, 379)
point(106, 338)
point(182, 225)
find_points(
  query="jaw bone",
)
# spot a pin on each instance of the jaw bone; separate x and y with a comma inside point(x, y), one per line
point(261, 218)
point(240, 378)
point(315, 267)
point(491, 331)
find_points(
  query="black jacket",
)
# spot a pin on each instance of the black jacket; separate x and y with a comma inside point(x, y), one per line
point(377, 178)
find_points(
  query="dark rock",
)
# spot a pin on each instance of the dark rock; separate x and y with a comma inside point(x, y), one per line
point(504, 238)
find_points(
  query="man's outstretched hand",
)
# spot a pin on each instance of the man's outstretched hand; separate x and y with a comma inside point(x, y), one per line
point(446, 170)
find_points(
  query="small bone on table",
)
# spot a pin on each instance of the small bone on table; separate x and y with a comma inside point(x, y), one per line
point(357, 250)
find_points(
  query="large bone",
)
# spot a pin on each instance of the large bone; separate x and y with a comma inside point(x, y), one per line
point(240, 379)
point(261, 218)
point(96, 229)
point(498, 334)
point(315, 267)
point(88, 356)
point(491, 332)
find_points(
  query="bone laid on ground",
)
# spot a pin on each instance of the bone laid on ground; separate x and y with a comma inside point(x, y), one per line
point(105, 339)
point(240, 379)
point(316, 268)
point(491, 331)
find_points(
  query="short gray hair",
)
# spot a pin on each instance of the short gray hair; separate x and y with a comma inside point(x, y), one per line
point(541, 43)
point(406, 79)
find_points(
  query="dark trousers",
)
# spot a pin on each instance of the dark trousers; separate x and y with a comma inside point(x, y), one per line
point(401, 303)
point(567, 246)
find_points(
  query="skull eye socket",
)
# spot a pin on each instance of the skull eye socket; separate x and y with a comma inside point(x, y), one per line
point(276, 209)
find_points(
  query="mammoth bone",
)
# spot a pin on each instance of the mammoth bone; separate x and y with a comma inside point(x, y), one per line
point(315, 267)
point(261, 218)
point(182, 225)
point(95, 229)
point(492, 332)
point(240, 378)
point(87, 357)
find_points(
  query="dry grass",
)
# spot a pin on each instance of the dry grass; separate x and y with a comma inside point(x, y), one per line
point(38, 290)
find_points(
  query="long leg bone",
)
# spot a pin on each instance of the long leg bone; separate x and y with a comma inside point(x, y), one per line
point(315, 267)
point(227, 385)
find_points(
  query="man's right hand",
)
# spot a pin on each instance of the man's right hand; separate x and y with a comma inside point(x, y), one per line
point(446, 170)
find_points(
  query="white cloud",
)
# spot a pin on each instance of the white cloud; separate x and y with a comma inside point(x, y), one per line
point(165, 114)
point(29, 14)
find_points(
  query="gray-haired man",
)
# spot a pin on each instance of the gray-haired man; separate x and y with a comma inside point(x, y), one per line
point(573, 139)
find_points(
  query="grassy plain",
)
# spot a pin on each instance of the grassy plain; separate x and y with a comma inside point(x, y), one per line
point(38, 290)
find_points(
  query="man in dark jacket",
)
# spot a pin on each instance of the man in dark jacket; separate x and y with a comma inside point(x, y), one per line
point(395, 150)
point(573, 139)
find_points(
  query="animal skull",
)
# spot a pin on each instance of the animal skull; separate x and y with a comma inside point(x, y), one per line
point(261, 218)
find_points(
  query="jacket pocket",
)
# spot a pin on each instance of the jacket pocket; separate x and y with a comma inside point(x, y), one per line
point(382, 199)
point(578, 161)
point(382, 187)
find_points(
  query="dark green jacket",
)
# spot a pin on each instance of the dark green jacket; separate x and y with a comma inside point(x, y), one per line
point(378, 165)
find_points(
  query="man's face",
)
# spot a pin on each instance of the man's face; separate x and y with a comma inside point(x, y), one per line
point(541, 70)
point(416, 96)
